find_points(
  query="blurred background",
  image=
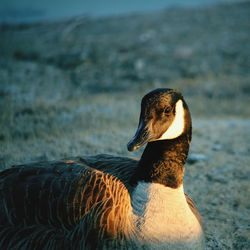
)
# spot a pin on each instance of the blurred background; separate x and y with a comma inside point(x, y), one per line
point(72, 75)
point(28, 10)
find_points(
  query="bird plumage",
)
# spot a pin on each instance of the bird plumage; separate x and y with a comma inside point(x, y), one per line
point(96, 202)
point(59, 196)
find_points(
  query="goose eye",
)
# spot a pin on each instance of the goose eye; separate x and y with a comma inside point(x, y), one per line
point(167, 110)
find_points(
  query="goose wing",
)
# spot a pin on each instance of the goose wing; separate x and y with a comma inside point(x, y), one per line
point(193, 208)
point(121, 167)
point(67, 200)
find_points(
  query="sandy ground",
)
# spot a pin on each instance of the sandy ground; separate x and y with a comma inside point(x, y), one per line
point(74, 87)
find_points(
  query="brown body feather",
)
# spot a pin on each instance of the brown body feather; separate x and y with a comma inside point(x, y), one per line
point(55, 199)
point(51, 205)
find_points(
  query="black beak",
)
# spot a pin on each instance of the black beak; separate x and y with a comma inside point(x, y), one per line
point(143, 135)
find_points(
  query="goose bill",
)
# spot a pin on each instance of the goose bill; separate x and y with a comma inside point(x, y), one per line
point(143, 135)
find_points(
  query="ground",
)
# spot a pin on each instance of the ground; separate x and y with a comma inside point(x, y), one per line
point(74, 87)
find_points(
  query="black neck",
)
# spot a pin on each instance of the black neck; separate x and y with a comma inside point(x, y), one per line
point(163, 162)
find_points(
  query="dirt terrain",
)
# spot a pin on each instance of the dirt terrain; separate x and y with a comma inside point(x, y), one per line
point(74, 87)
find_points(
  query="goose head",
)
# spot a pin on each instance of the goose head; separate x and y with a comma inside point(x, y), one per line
point(164, 116)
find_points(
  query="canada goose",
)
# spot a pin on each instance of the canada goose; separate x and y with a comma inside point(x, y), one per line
point(109, 202)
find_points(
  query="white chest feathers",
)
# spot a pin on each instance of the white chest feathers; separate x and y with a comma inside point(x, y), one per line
point(164, 219)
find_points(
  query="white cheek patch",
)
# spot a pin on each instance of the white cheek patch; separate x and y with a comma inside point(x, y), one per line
point(177, 126)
